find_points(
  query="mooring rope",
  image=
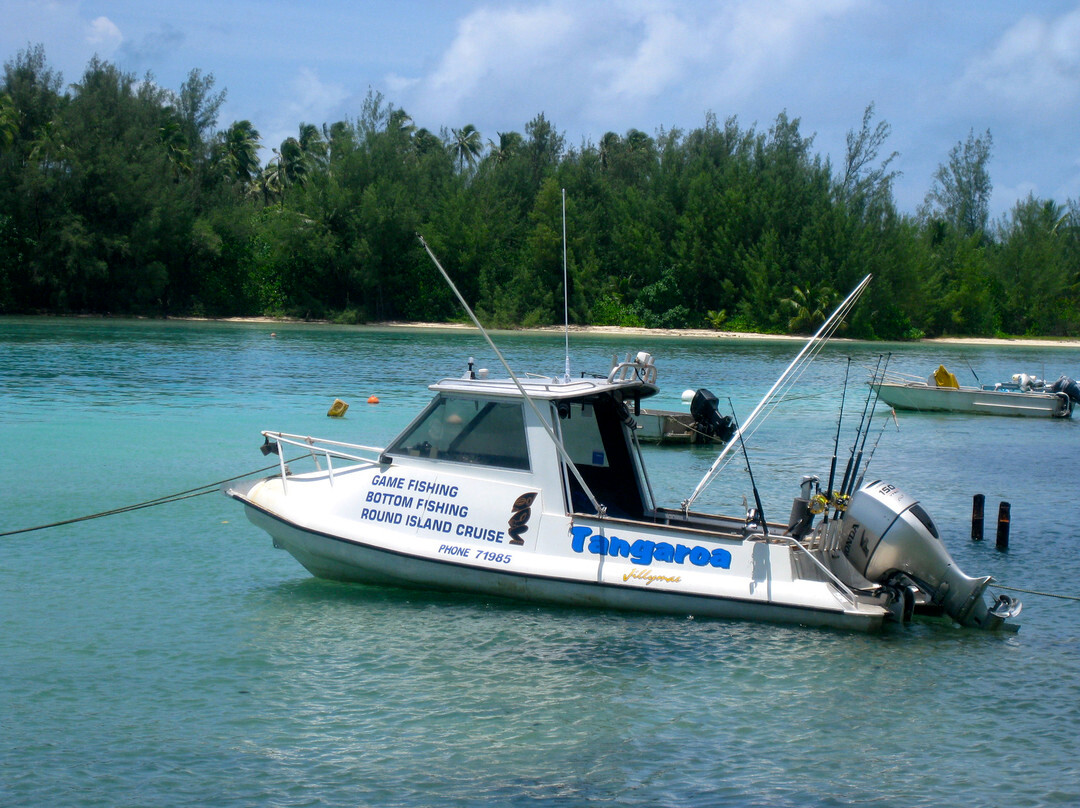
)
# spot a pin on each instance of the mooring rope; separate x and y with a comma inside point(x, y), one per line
point(208, 488)
point(1034, 592)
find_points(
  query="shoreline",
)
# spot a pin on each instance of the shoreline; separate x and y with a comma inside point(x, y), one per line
point(614, 330)
point(705, 333)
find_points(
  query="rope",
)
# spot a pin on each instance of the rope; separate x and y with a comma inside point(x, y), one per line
point(191, 493)
point(1034, 592)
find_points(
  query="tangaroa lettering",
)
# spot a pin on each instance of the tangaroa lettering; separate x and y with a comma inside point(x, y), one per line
point(645, 552)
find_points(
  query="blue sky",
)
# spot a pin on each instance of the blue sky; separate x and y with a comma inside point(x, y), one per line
point(934, 70)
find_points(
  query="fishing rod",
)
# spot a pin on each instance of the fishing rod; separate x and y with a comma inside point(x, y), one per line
point(973, 373)
point(876, 390)
point(836, 443)
point(873, 448)
point(816, 342)
point(753, 485)
point(837, 502)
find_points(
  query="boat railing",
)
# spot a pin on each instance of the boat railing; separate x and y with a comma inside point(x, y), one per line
point(896, 377)
point(320, 447)
point(640, 368)
point(823, 541)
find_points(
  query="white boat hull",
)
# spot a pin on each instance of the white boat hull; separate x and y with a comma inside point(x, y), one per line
point(922, 397)
point(336, 558)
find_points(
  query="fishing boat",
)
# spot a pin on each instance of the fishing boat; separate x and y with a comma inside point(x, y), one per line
point(940, 392)
point(535, 488)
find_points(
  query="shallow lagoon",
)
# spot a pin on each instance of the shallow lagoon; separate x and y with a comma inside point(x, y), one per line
point(170, 656)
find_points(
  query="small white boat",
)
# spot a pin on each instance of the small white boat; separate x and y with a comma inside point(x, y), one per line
point(1025, 396)
point(535, 489)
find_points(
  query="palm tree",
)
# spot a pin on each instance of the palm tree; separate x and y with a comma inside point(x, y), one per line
point(509, 143)
point(609, 145)
point(810, 307)
point(267, 184)
point(293, 162)
point(241, 151)
point(313, 145)
point(426, 142)
point(171, 136)
point(466, 145)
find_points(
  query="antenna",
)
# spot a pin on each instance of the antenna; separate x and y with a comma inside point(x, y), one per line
point(601, 510)
point(565, 288)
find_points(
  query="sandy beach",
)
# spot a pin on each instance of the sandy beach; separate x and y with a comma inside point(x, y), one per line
point(703, 333)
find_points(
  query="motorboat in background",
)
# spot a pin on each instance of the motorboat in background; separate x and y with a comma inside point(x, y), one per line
point(940, 392)
point(702, 424)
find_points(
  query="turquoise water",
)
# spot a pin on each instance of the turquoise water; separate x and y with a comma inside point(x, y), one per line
point(170, 656)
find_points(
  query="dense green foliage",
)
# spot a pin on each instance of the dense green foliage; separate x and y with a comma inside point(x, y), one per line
point(118, 196)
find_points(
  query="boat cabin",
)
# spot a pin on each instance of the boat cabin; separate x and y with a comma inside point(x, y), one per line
point(480, 427)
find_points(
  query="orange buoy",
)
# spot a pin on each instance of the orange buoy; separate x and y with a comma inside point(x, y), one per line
point(373, 400)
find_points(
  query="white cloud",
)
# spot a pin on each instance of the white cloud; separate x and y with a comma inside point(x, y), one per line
point(614, 65)
point(311, 100)
point(1034, 66)
point(496, 49)
point(103, 35)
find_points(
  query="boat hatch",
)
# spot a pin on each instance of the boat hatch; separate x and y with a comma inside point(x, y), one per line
point(468, 430)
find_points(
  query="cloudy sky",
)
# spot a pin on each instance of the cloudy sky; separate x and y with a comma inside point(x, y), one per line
point(935, 70)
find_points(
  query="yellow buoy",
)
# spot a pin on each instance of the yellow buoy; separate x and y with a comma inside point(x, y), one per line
point(373, 400)
point(338, 408)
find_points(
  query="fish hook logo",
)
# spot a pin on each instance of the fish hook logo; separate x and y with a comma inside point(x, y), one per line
point(519, 517)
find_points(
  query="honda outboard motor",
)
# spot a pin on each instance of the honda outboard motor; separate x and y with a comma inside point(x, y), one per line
point(703, 409)
point(886, 534)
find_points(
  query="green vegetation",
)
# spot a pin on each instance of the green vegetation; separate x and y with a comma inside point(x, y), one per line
point(118, 196)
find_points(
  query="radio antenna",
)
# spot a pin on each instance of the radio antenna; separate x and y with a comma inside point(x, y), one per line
point(565, 288)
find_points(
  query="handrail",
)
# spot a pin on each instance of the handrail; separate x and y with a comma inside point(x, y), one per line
point(321, 446)
point(840, 584)
point(308, 442)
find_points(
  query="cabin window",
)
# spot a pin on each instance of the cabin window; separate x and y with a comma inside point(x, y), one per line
point(581, 435)
point(463, 430)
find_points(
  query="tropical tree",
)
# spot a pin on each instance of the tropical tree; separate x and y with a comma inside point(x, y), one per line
point(508, 145)
point(9, 122)
point(314, 147)
point(171, 137)
point(465, 145)
point(609, 145)
point(862, 181)
point(961, 190)
point(197, 106)
point(240, 152)
point(809, 307)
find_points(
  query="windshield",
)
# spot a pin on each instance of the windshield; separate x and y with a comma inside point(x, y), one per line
point(468, 430)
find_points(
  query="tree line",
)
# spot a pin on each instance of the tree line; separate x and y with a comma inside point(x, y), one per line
point(119, 196)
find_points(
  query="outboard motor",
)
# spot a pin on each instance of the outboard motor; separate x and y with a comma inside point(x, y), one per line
point(707, 419)
point(1069, 387)
point(885, 534)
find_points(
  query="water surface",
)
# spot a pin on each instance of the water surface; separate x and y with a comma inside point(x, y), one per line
point(170, 656)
